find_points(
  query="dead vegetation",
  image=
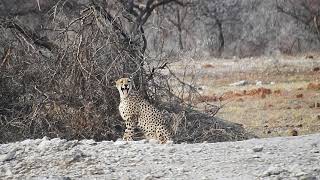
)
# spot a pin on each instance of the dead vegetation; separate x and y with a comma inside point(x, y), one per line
point(57, 78)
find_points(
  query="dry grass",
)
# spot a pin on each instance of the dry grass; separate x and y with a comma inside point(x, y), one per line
point(276, 114)
point(289, 104)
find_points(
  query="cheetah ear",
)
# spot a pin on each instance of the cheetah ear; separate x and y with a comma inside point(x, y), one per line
point(115, 82)
point(130, 77)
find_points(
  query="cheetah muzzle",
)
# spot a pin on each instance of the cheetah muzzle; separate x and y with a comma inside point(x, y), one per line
point(125, 90)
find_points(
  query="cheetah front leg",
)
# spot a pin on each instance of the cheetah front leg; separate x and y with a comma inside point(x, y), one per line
point(129, 132)
point(163, 135)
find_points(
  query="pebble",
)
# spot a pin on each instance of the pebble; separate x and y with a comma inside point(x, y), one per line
point(148, 177)
point(257, 149)
point(9, 156)
point(256, 156)
point(258, 83)
point(308, 177)
point(121, 142)
point(88, 142)
point(239, 83)
point(153, 141)
point(273, 170)
point(44, 145)
point(169, 143)
point(172, 150)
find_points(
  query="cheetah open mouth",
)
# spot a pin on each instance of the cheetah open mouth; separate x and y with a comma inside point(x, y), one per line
point(125, 90)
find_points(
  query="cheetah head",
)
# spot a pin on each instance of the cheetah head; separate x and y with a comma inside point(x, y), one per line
point(124, 86)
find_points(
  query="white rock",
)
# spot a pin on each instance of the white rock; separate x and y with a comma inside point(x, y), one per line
point(308, 177)
point(273, 170)
point(148, 177)
point(120, 143)
point(144, 141)
point(153, 141)
point(57, 141)
point(45, 138)
point(172, 150)
point(8, 172)
point(88, 141)
point(9, 156)
point(258, 83)
point(256, 156)
point(239, 83)
point(169, 143)
point(27, 142)
point(257, 149)
point(44, 145)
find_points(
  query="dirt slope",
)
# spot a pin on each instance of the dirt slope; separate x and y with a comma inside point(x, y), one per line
point(273, 158)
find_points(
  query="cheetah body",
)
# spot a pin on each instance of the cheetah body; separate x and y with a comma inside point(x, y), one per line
point(139, 113)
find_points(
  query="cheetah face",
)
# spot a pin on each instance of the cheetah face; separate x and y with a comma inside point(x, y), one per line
point(124, 86)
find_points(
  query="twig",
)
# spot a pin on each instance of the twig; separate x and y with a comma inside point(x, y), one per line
point(5, 58)
point(163, 66)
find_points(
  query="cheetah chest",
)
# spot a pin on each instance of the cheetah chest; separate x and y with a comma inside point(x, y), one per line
point(127, 110)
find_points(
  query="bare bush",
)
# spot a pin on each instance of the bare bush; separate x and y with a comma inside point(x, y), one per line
point(58, 81)
point(57, 73)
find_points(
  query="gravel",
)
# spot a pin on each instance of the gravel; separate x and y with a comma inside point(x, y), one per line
point(272, 158)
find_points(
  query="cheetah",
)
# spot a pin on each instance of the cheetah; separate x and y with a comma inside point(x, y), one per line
point(139, 113)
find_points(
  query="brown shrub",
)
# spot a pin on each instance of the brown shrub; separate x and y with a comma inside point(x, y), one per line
point(206, 66)
point(227, 95)
point(309, 57)
point(240, 100)
point(278, 91)
point(212, 98)
point(316, 69)
point(313, 86)
point(260, 91)
point(292, 132)
point(314, 105)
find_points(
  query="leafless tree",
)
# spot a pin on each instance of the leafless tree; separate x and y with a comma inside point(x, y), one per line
point(214, 13)
point(306, 12)
point(179, 17)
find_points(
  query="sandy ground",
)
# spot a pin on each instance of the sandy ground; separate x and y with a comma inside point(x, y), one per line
point(273, 158)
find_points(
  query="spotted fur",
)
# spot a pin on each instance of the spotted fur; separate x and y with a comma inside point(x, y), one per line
point(139, 113)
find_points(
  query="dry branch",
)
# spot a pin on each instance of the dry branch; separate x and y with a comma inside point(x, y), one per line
point(28, 33)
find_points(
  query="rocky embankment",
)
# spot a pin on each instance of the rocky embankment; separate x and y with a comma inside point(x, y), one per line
point(273, 158)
